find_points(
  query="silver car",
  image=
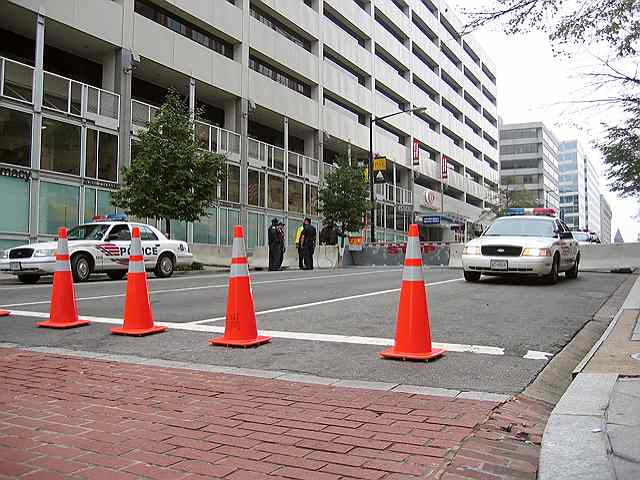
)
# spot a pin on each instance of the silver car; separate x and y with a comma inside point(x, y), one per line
point(535, 245)
point(98, 247)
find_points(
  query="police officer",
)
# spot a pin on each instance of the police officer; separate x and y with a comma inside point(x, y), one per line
point(299, 246)
point(308, 243)
point(276, 245)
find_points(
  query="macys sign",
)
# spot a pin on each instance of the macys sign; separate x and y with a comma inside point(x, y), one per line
point(15, 173)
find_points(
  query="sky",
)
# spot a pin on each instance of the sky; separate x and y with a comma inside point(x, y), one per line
point(535, 85)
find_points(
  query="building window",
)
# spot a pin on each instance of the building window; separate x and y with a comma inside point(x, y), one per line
point(59, 206)
point(89, 204)
point(14, 195)
point(279, 76)
point(519, 133)
point(275, 197)
point(15, 137)
point(233, 182)
point(312, 199)
point(184, 28)
point(206, 230)
point(296, 197)
point(255, 230)
point(256, 188)
point(275, 25)
point(519, 149)
point(229, 218)
point(104, 206)
point(60, 147)
point(102, 156)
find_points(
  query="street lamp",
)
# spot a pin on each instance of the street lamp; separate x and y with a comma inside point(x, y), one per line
point(373, 120)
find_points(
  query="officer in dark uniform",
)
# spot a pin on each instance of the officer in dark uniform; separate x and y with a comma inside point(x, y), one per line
point(276, 245)
point(308, 243)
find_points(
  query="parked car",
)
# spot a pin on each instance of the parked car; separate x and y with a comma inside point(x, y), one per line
point(524, 242)
point(98, 247)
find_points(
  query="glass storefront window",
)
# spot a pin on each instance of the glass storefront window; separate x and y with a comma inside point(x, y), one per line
point(233, 181)
point(296, 196)
point(276, 193)
point(312, 199)
point(255, 230)
point(256, 188)
point(104, 203)
point(229, 218)
point(58, 207)
point(91, 157)
point(89, 204)
point(60, 147)
point(15, 137)
point(14, 193)
point(206, 230)
point(390, 216)
point(107, 157)
point(178, 230)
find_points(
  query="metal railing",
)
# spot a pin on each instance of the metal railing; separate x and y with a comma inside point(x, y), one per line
point(269, 155)
point(16, 80)
point(142, 113)
point(68, 96)
point(216, 139)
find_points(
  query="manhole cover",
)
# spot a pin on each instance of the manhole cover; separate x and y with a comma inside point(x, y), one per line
point(635, 356)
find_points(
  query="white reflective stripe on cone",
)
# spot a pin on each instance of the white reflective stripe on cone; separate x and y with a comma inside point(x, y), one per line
point(237, 250)
point(63, 246)
point(413, 249)
point(63, 266)
point(136, 267)
point(136, 246)
point(239, 270)
point(412, 274)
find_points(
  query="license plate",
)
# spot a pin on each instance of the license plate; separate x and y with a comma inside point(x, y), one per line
point(499, 265)
point(15, 266)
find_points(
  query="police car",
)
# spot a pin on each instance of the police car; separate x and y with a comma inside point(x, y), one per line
point(524, 242)
point(101, 246)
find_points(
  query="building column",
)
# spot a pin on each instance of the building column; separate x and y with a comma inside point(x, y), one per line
point(36, 128)
point(285, 128)
point(192, 116)
point(244, 112)
point(122, 86)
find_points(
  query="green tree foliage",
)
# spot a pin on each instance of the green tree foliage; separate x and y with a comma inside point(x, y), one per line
point(508, 196)
point(170, 177)
point(344, 197)
point(610, 29)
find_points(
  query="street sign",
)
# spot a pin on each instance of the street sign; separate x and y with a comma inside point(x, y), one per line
point(379, 178)
point(431, 220)
point(405, 208)
point(380, 164)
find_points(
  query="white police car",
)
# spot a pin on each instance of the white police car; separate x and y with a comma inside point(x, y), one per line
point(525, 242)
point(101, 246)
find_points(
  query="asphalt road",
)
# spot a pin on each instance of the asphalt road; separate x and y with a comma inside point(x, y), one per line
point(320, 312)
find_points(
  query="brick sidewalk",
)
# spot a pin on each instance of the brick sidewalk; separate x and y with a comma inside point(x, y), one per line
point(76, 418)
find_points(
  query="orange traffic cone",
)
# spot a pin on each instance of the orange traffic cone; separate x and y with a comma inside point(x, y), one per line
point(240, 326)
point(4, 313)
point(63, 312)
point(413, 332)
point(138, 317)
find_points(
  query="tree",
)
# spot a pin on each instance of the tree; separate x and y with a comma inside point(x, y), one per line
point(610, 29)
point(508, 196)
point(344, 196)
point(170, 177)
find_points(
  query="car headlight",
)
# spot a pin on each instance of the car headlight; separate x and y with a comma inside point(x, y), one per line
point(45, 252)
point(471, 251)
point(4, 254)
point(536, 252)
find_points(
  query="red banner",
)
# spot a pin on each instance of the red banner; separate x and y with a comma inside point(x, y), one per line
point(445, 168)
point(416, 151)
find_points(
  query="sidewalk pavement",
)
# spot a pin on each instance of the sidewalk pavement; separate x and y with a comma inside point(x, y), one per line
point(85, 418)
point(594, 430)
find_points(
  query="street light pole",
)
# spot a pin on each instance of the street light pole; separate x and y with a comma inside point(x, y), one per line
point(373, 120)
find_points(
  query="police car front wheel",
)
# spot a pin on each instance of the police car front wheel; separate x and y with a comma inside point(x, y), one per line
point(81, 267)
point(165, 266)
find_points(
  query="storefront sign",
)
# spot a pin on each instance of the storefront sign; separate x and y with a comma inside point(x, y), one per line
point(431, 220)
point(430, 199)
point(16, 173)
point(99, 183)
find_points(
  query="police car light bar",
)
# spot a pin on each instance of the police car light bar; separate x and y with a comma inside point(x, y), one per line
point(547, 212)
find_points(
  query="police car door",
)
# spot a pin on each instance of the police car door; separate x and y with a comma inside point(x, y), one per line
point(118, 243)
point(573, 246)
point(150, 246)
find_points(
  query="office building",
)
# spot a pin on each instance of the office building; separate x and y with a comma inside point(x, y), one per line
point(529, 163)
point(285, 87)
point(579, 188)
point(605, 220)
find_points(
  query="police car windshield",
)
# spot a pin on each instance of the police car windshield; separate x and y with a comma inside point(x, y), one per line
point(521, 227)
point(91, 231)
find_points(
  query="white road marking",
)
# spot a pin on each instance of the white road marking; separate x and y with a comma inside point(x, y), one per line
point(205, 287)
point(317, 337)
point(325, 302)
point(536, 355)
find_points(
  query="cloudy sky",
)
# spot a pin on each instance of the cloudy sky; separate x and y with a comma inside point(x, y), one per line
point(535, 85)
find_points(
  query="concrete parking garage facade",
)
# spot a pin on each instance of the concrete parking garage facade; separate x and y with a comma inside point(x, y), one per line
point(285, 86)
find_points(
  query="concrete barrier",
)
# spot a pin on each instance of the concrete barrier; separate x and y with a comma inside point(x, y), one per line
point(617, 256)
point(259, 260)
point(393, 255)
point(216, 255)
point(325, 256)
point(455, 255)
